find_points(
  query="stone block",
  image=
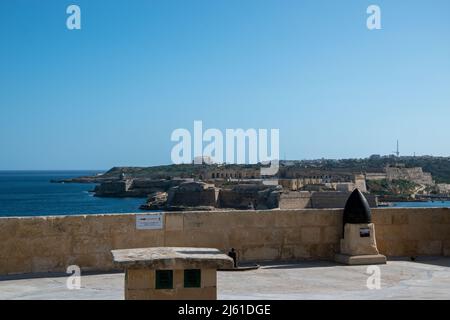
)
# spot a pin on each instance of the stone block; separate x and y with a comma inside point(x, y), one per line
point(423, 217)
point(16, 247)
point(419, 232)
point(360, 259)
point(31, 228)
point(287, 253)
point(328, 218)
point(178, 278)
point(292, 236)
point(310, 234)
point(399, 218)
point(257, 219)
point(8, 229)
point(209, 238)
point(441, 231)
point(353, 244)
point(15, 265)
point(305, 251)
point(258, 236)
point(392, 232)
point(325, 251)
point(260, 253)
point(91, 261)
point(51, 246)
point(429, 247)
point(446, 216)
point(46, 263)
point(382, 217)
point(176, 239)
point(331, 234)
point(91, 244)
point(174, 222)
point(446, 248)
point(142, 294)
point(209, 293)
point(208, 278)
point(137, 279)
point(138, 239)
point(392, 248)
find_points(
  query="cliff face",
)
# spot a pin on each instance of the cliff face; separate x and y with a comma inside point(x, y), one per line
point(202, 196)
point(415, 175)
point(256, 196)
point(134, 187)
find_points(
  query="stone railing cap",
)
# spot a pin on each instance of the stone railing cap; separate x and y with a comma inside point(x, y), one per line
point(172, 258)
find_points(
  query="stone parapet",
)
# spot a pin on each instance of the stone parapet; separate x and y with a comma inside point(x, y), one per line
point(51, 244)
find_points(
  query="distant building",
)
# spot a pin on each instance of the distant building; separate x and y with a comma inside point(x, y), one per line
point(415, 175)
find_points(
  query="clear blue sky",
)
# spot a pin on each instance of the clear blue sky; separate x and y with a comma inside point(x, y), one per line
point(111, 93)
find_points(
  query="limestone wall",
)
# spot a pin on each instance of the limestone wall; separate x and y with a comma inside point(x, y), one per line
point(43, 244)
point(207, 197)
point(295, 200)
point(319, 200)
point(411, 174)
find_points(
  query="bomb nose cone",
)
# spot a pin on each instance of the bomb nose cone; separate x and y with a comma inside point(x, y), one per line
point(357, 209)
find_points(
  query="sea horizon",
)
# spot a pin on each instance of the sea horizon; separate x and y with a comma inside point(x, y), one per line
point(31, 193)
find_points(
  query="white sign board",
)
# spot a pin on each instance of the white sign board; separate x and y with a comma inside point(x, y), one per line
point(150, 221)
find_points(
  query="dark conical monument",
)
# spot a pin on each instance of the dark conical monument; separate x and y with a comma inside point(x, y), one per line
point(357, 209)
point(358, 244)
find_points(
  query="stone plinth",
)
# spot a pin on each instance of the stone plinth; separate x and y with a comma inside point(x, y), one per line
point(361, 259)
point(359, 245)
point(354, 243)
point(171, 273)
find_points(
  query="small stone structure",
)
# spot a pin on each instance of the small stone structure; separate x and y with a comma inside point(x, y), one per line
point(358, 245)
point(415, 175)
point(319, 200)
point(193, 194)
point(50, 244)
point(171, 273)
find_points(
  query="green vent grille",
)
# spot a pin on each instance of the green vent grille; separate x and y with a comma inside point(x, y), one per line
point(164, 279)
point(192, 278)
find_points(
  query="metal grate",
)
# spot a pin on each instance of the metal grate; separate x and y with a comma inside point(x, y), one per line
point(164, 279)
point(192, 278)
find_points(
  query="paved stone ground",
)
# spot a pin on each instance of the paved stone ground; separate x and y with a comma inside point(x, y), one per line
point(427, 278)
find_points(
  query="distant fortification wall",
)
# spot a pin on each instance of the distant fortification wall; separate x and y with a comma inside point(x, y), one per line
point(411, 174)
point(50, 244)
point(318, 200)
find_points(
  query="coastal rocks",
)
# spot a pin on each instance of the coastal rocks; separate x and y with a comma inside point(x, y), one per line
point(193, 194)
point(200, 196)
point(187, 196)
point(139, 188)
point(155, 201)
point(250, 196)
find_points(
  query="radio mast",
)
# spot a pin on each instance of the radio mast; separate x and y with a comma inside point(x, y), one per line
point(397, 153)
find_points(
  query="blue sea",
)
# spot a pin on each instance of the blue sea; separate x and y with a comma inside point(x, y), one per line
point(428, 204)
point(30, 193)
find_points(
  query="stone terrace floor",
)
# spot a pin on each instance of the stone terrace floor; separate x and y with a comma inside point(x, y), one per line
point(426, 278)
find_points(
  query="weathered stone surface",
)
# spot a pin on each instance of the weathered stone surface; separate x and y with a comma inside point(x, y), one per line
point(361, 260)
point(172, 258)
point(311, 234)
point(260, 253)
point(138, 279)
point(174, 222)
point(256, 235)
point(354, 244)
